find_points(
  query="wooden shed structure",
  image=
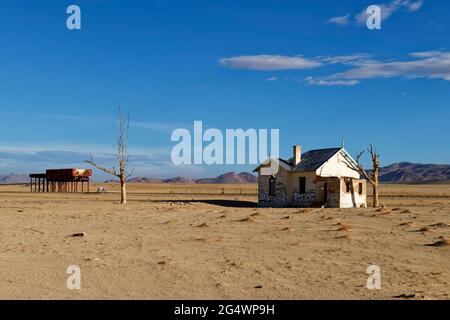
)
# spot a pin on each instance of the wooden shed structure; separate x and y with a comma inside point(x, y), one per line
point(60, 180)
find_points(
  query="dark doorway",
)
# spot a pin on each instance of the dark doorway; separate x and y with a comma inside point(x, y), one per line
point(302, 185)
point(325, 192)
point(272, 185)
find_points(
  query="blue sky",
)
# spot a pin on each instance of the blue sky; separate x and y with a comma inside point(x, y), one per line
point(310, 68)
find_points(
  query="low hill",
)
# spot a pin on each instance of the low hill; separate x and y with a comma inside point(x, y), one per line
point(406, 172)
point(14, 178)
point(226, 178)
point(230, 177)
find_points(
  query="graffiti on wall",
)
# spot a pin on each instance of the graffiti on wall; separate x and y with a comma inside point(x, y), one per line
point(279, 196)
point(304, 199)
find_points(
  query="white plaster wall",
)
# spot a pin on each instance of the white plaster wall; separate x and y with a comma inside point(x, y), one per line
point(353, 200)
point(336, 167)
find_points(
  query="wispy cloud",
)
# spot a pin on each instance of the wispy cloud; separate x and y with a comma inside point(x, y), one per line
point(427, 54)
point(352, 59)
point(430, 65)
point(107, 121)
point(414, 5)
point(426, 64)
point(165, 127)
point(159, 126)
point(388, 9)
point(269, 62)
point(32, 158)
point(148, 162)
point(341, 20)
point(329, 83)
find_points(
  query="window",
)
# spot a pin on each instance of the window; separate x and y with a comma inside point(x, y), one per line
point(272, 184)
point(360, 188)
point(348, 186)
point(302, 185)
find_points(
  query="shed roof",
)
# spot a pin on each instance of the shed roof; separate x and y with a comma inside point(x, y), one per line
point(313, 159)
point(310, 161)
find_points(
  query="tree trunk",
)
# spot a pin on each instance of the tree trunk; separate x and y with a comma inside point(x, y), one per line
point(123, 191)
point(375, 203)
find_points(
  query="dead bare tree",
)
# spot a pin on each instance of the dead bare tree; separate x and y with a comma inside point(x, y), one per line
point(122, 156)
point(373, 177)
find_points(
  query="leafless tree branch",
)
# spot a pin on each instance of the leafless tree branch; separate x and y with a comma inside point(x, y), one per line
point(122, 155)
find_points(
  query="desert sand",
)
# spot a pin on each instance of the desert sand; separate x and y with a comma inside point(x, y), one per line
point(167, 245)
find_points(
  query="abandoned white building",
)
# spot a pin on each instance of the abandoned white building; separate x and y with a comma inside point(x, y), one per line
point(313, 179)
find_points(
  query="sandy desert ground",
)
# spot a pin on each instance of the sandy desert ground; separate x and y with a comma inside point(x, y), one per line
point(165, 245)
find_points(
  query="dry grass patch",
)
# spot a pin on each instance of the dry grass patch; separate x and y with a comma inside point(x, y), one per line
point(203, 225)
point(442, 242)
point(439, 225)
point(343, 226)
point(247, 219)
point(343, 237)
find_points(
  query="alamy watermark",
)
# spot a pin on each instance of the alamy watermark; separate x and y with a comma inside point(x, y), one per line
point(373, 22)
point(374, 279)
point(74, 278)
point(235, 146)
point(374, 17)
point(73, 22)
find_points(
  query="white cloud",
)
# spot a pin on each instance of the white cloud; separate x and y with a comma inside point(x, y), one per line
point(341, 20)
point(269, 62)
point(427, 54)
point(433, 65)
point(414, 5)
point(388, 9)
point(329, 83)
point(426, 64)
point(353, 59)
point(165, 127)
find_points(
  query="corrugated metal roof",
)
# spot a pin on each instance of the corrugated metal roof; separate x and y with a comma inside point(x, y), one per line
point(313, 159)
point(285, 161)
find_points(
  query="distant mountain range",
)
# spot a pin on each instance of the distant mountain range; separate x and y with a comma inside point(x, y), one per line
point(406, 172)
point(229, 177)
point(403, 172)
point(14, 178)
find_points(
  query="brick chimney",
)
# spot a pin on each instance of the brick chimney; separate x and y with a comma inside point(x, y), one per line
point(297, 155)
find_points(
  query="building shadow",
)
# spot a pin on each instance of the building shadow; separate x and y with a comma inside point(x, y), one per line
point(229, 203)
point(216, 202)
